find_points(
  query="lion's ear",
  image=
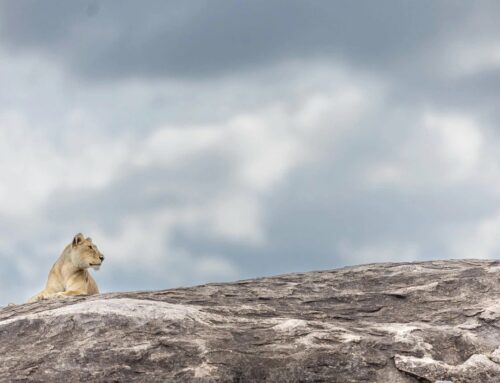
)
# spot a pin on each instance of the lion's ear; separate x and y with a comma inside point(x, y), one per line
point(89, 239)
point(79, 238)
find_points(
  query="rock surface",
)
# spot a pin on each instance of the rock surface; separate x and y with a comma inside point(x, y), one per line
point(393, 322)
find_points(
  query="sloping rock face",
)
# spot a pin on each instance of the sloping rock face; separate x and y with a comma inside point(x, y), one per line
point(393, 322)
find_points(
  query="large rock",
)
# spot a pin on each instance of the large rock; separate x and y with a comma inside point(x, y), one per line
point(393, 322)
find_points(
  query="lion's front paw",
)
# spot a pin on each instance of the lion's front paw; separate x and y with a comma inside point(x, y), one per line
point(36, 298)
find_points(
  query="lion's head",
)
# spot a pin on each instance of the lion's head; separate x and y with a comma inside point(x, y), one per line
point(84, 253)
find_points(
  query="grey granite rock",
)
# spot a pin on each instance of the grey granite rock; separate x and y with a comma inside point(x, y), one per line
point(393, 322)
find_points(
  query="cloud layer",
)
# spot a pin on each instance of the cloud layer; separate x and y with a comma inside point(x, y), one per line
point(201, 142)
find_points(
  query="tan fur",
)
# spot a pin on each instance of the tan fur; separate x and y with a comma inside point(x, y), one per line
point(69, 275)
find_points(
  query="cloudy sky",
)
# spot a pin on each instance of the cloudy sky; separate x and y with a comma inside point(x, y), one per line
point(200, 141)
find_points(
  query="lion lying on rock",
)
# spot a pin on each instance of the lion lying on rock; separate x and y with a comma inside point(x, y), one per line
point(69, 275)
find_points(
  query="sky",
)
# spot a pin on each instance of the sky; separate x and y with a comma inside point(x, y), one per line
point(209, 141)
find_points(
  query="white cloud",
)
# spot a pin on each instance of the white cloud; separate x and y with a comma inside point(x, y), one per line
point(237, 217)
point(341, 108)
point(141, 240)
point(266, 146)
point(169, 144)
point(458, 141)
point(384, 173)
point(262, 145)
point(28, 166)
point(438, 149)
point(32, 166)
point(467, 58)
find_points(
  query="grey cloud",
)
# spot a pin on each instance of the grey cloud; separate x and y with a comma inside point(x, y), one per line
point(317, 206)
point(117, 39)
point(143, 190)
point(314, 210)
point(320, 207)
point(401, 42)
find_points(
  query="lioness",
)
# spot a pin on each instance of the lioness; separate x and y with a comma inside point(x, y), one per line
point(69, 275)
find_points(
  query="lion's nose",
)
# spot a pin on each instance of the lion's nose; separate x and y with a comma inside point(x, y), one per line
point(101, 257)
